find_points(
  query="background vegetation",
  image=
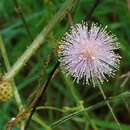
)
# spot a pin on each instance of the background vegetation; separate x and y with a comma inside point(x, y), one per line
point(74, 106)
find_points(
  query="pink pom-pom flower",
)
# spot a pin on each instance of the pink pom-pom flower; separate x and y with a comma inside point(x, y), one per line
point(89, 54)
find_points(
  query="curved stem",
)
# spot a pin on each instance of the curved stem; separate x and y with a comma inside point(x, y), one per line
point(50, 108)
point(90, 108)
point(109, 106)
point(7, 64)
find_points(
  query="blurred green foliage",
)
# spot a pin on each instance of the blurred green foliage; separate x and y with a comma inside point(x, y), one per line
point(62, 91)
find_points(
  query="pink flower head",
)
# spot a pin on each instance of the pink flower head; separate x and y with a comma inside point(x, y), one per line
point(89, 55)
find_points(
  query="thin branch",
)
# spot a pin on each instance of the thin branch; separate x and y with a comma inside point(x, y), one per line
point(109, 106)
point(40, 95)
point(27, 113)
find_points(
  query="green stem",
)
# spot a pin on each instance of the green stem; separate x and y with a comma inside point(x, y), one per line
point(38, 41)
point(78, 101)
point(90, 108)
point(40, 121)
point(7, 64)
point(109, 106)
point(50, 108)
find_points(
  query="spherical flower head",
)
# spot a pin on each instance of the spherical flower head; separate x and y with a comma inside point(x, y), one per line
point(89, 54)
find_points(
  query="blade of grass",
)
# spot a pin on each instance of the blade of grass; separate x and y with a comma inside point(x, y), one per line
point(90, 108)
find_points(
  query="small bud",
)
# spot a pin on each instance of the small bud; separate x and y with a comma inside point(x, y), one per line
point(6, 90)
